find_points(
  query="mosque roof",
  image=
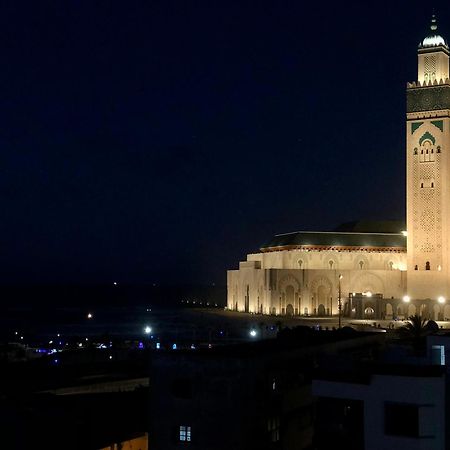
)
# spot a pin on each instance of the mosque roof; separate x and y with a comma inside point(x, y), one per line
point(433, 39)
point(348, 236)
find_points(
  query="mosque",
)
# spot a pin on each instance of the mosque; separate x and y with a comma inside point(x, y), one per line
point(372, 270)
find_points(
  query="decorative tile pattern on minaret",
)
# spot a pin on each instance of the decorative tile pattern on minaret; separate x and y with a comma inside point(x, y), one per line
point(428, 170)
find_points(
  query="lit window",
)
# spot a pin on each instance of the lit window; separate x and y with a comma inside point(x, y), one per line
point(185, 433)
point(438, 355)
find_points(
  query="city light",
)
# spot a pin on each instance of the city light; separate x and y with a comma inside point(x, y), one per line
point(90, 316)
point(147, 330)
point(253, 333)
point(406, 298)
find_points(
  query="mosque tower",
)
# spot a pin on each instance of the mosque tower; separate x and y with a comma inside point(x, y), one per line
point(428, 171)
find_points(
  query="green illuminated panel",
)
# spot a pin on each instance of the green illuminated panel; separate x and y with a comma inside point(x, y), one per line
point(438, 123)
point(414, 126)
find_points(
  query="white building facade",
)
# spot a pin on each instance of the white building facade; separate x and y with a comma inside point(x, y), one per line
point(372, 270)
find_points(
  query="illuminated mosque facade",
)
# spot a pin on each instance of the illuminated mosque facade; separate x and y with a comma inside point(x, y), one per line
point(372, 270)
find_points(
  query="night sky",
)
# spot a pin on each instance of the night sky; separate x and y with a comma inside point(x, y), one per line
point(162, 141)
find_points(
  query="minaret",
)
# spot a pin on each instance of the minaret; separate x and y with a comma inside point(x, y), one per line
point(428, 171)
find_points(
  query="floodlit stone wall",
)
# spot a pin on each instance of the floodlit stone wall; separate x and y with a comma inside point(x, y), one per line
point(274, 283)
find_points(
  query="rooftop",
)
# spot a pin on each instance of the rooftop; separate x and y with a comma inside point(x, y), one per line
point(351, 235)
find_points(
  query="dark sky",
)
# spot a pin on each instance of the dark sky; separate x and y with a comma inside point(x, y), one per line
point(161, 141)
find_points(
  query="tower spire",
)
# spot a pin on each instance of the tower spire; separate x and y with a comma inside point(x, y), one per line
point(433, 25)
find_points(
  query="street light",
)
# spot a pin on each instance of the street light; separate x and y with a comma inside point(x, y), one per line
point(339, 300)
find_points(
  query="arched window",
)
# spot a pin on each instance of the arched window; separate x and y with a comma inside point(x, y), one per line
point(427, 265)
point(391, 265)
point(300, 263)
point(427, 151)
point(416, 268)
point(432, 184)
point(421, 185)
point(331, 263)
point(361, 264)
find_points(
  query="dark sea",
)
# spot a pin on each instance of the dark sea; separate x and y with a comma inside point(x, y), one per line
point(184, 326)
point(35, 315)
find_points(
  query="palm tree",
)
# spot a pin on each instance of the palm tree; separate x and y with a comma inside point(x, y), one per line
point(415, 328)
point(415, 331)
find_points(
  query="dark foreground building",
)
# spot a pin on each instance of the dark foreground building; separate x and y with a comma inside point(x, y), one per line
point(398, 402)
point(307, 389)
point(247, 396)
point(75, 401)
